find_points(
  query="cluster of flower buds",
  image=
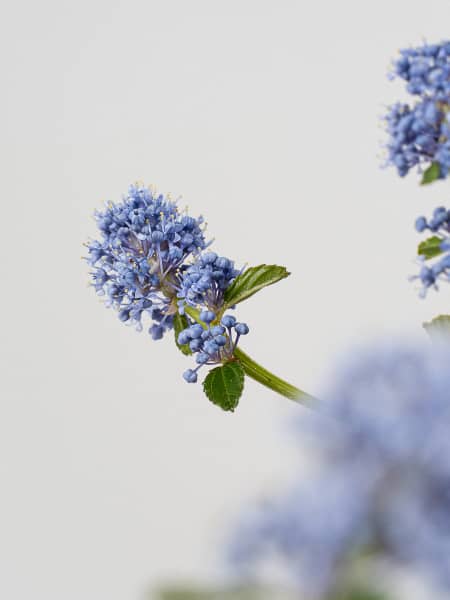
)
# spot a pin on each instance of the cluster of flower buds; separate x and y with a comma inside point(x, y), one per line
point(211, 344)
point(204, 282)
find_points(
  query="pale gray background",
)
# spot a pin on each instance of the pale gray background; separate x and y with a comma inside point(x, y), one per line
point(265, 117)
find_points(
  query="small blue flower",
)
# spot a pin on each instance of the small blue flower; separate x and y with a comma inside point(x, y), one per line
point(184, 337)
point(202, 358)
point(241, 328)
point(190, 376)
point(217, 330)
point(195, 331)
point(228, 321)
point(421, 224)
point(220, 340)
point(207, 316)
point(196, 345)
point(156, 331)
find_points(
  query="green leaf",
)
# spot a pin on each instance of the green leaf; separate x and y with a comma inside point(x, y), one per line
point(430, 248)
point(252, 280)
point(180, 322)
point(431, 174)
point(223, 385)
point(439, 328)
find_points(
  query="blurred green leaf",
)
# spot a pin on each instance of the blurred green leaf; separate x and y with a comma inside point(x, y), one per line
point(431, 174)
point(362, 595)
point(430, 248)
point(359, 592)
point(438, 328)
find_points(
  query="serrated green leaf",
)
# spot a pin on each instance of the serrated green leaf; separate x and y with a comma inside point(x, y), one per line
point(431, 174)
point(180, 322)
point(430, 248)
point(224, 384)
point(252, 280)
point(439, 328)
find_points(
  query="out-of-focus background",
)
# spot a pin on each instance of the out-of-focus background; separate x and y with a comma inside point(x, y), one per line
point(265, 116)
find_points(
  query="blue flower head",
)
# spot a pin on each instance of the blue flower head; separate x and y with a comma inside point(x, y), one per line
point(426, 70)
point(420, 133)
point(417, 135)
point(382, 479)
point(204, 283)
point(145, 241)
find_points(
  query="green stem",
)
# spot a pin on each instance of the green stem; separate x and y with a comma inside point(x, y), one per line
point(262, 375)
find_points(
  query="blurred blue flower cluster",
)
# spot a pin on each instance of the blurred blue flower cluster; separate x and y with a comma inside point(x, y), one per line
point(382, 479)
point(439, 226)
point(420, 133)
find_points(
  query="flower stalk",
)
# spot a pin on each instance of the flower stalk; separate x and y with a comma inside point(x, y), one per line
point(260, 374)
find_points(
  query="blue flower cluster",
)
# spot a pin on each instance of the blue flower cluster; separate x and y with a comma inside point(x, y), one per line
point(204, 282)
point(138, 262)
point(382, 479)
point(426, 69)
point(149, 261)
point(420, 134)
point(439, 225)
point(212, 344)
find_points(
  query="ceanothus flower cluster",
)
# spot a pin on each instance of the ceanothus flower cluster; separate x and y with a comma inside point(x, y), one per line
point(204, 282)
point(383, 476)
point(149, 261)
point(212, 344)
point(426, 69)
point(439, 226)
point(138, 262)
point(420, 133)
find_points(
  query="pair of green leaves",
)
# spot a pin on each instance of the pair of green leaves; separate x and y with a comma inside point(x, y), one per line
point(224, 384)
point(430, 248)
